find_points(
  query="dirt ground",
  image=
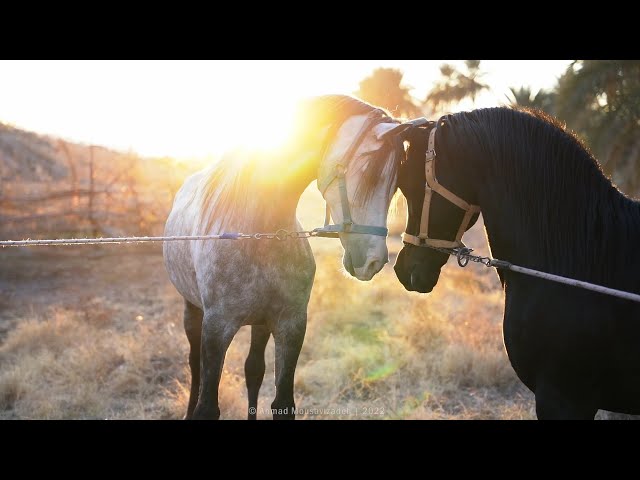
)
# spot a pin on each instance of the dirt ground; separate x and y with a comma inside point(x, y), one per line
point(36, 279)
point(97, 333)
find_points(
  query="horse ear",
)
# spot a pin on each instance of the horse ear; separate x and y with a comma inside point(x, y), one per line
point(385, 130)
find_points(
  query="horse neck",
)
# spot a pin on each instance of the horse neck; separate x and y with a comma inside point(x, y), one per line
point(569, 223)
point(281, 185)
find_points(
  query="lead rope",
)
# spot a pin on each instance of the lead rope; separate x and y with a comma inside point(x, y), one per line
point(281, 234)
point(464, 256)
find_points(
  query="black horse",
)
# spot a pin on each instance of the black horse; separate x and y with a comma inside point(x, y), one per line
point(546, 205)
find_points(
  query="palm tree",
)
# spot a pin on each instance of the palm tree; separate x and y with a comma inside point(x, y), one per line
point(455, 86)
point(384, 87)
point(600, 99)
point(523, 97)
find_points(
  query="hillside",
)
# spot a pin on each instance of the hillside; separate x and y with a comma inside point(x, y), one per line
point(28, 157)
point(49, 186)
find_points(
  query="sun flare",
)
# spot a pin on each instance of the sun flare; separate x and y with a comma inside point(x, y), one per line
point(266, 131)
point(193, 109)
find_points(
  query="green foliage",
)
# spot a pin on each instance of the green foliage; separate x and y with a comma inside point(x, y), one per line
point(524, 97)
point(455, 86)
point(384, 88)
point(600, 100)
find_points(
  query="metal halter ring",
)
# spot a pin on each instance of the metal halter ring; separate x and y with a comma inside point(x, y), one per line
point(461, 254)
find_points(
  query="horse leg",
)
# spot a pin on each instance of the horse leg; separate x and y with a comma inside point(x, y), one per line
point(217, 333)
point(254, 366)
point(552, 404)
point(288, 334)
point(193, 329)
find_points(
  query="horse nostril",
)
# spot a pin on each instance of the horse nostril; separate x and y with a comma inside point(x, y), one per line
point(414, 277)
point(374, 267)
point(348, 263)
point(421, 282)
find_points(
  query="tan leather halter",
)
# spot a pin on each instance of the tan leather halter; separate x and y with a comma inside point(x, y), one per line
point(432, 185)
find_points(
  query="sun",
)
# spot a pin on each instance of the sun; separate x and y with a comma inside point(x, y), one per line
point(260, 121)
point(270, 129)
point(197, 109)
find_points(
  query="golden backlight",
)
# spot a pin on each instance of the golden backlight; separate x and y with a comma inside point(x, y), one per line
point(198, 109)
point(266, 131)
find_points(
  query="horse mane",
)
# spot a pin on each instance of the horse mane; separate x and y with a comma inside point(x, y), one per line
point(233, 185)
point(553, 182)
point(334, 110)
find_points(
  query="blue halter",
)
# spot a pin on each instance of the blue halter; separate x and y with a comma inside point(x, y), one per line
point(348, 225)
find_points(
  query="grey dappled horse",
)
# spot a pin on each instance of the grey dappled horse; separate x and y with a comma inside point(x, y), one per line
point(267, 283)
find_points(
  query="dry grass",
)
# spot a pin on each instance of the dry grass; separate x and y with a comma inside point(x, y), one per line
point(408, 355)
point(98, 334)
point(78, 364)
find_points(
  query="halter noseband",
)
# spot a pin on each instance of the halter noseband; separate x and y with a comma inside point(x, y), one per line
point(432, 185)
point(348, 225)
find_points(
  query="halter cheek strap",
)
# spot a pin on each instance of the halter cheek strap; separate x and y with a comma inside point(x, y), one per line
point(347, 225)
point(432, 185)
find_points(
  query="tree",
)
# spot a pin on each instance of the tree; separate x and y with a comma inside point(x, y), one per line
point(600, 99)
point(384, 88)
point(455, 86)
point(542, 99)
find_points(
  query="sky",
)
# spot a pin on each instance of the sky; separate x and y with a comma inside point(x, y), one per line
point(198, 109)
